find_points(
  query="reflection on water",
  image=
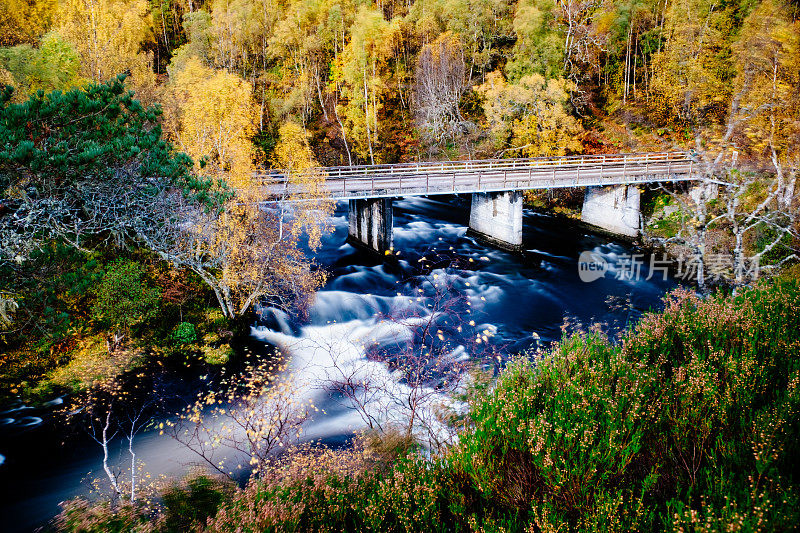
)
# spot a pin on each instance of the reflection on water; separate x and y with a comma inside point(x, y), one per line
point(368, 307)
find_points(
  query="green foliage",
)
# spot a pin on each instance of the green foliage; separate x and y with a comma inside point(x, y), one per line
point(124, 299)
point(53, 342)
point(53, 292)
point(184, 333)
point(188, 505)
point(539, 47)
point(764, 236)
point(54, 141)
point(53, 289)
point(691, 422)
point(699, 404)
point(53, 65)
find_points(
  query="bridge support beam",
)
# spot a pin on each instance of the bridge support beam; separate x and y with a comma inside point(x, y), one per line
point(496, 217)
point(371, 224)
point(614, 208)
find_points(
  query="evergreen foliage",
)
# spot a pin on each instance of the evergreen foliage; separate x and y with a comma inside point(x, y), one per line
point(123, 298)
point(54, 141)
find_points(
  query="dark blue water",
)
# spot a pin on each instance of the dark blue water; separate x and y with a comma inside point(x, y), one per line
point(533, 292)
point(527, 299)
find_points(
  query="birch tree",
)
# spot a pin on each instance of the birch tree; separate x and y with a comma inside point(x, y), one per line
point(247, 251)
point(359, 69)
point(439, 84)
point(109, 36)
point(531, 117)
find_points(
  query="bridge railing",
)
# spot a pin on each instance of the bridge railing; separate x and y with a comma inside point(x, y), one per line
point(486, 175)
point(475, 165)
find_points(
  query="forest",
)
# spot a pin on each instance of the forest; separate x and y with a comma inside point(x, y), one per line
point(395, 81)
point(135, 244)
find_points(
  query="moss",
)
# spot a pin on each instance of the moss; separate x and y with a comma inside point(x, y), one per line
point(217, 355)
point(90, 364)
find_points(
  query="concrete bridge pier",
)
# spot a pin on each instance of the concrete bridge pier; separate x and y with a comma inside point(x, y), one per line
point(371, 224)
point(496, 217)
point(614, 208)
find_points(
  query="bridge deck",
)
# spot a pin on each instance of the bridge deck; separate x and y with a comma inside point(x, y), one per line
point(448, 177)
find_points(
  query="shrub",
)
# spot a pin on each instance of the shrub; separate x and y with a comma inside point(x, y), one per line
point(187, 506)
point(690, 423)
point(99, 517)
point(184, 333)
point(124, 299)
point(217, 355)
point(675, 424)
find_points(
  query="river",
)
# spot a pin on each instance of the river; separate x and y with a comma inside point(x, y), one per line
point(524, 299)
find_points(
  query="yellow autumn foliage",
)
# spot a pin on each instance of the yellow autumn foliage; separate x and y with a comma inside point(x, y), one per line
point(24, 21)
point(108, 35)
point(530, 118)
point(690, 74)
point(211, 115)
point(248, 251)
point(767, 57)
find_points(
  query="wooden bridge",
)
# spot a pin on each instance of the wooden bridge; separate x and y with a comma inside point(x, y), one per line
point(489, 175)
point(611, 201)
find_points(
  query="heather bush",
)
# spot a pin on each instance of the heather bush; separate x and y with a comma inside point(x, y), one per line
point(309, 489)
point(93, 517)
point(691, 422)
point(188, 505)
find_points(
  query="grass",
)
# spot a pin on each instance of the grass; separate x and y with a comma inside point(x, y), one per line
point(91, 364)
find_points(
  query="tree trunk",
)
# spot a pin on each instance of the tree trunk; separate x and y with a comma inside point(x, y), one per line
point(366, 118)
point(104, 445)
point(133, 465)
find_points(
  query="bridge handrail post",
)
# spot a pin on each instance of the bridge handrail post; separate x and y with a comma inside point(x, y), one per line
point(625, 167)
point(602, 167)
